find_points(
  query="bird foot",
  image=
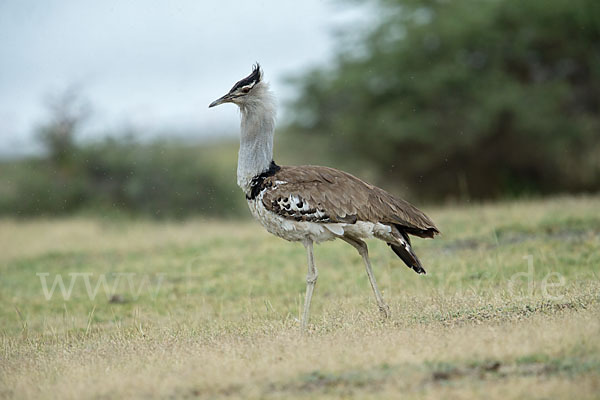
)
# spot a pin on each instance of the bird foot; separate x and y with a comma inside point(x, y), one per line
point(384, 309)
point(300, 324)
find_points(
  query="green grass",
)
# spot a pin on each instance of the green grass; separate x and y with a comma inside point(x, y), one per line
point(509, 308)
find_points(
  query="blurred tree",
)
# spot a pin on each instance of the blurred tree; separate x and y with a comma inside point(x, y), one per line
point(160, 179)
point(67, 113)
point(117, 175)
point(466, 98)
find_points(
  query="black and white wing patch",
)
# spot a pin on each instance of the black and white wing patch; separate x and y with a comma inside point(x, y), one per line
point(293, 206)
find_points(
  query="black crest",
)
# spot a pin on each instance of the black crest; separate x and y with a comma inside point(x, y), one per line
point(253, 78)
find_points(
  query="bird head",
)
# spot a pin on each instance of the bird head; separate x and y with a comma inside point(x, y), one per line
point(245, 91)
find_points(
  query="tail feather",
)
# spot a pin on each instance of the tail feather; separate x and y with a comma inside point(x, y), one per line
point(403, 250)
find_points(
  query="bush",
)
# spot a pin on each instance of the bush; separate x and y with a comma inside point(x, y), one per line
point(162, 180)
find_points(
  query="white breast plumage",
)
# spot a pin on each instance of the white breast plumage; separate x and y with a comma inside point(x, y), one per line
point(286, 228)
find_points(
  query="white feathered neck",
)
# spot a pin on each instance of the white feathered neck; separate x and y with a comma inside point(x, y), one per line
point(259, 110)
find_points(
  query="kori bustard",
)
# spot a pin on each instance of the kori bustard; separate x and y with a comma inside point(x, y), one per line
point(311, 204)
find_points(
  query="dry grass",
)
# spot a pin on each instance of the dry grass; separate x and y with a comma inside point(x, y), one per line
point(221, 322)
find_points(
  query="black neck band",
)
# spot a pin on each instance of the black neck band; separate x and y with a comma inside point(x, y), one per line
point(257, 183)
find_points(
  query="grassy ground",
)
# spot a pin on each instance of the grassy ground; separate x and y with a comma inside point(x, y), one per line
point(509, 309)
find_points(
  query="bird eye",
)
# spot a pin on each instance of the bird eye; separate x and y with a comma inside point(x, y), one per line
point(245, 89)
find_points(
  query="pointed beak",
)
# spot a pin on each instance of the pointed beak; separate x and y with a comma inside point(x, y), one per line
point(221, 100)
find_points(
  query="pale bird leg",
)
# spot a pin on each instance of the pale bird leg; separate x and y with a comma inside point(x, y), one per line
point(311, 279)
point(364, 252)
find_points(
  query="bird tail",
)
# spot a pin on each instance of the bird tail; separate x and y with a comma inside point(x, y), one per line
point(404, 250)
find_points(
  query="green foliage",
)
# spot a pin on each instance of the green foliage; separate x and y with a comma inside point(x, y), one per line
point(466, 98)
point(161, 178)
point(120, 176)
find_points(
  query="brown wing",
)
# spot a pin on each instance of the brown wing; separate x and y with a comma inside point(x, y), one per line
point(322, 194)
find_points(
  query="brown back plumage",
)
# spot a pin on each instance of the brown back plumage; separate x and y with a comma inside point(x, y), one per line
point(323, 194)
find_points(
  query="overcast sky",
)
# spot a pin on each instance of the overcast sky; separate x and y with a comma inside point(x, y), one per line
point(152, 65)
